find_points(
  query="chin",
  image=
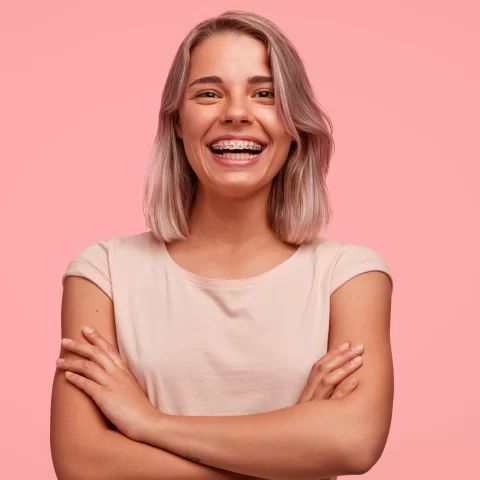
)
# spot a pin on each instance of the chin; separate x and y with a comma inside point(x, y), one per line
point(236, 188)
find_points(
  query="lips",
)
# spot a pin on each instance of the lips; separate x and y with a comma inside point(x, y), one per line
point(246, 138)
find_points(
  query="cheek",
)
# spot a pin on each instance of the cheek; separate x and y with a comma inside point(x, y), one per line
point(274, 127)
point(281, 141)
point(197, 122)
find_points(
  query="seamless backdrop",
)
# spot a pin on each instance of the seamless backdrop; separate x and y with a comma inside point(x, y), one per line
point(80, 89)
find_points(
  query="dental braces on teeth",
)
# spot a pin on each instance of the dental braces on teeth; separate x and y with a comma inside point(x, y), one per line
point(242, 145)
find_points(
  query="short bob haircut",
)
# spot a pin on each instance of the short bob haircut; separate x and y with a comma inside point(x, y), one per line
point(299, 206)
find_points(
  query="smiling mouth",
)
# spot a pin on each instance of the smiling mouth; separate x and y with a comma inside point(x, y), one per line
point(237, 153)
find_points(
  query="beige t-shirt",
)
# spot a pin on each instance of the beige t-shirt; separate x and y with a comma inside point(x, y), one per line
point(201, 346)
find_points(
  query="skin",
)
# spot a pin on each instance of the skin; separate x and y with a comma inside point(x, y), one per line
point(104, 376)
point(229, 219)
point(316, 437)
point(234, 107)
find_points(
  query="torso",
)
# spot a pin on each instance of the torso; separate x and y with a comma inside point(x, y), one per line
point(203, 336)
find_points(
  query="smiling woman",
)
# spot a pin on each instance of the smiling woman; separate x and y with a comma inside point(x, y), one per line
point(229, 340)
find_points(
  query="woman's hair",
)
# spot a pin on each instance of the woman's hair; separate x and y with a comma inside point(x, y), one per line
point(298, 205)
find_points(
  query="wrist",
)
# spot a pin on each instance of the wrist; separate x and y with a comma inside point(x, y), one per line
point(150, 430)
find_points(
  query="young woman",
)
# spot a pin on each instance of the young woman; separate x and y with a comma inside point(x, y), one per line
point(223, 337)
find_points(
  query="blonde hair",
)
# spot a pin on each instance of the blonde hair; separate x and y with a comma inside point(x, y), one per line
point(299, 206)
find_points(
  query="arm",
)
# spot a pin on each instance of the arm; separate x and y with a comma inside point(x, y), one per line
point(82, 445)
point(316, 439)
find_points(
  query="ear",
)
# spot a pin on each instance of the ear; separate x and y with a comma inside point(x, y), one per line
point(178, 127)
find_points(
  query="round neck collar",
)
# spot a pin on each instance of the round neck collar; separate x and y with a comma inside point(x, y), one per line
point(232, 282)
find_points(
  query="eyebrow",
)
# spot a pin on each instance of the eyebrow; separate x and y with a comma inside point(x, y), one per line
point(215, 79)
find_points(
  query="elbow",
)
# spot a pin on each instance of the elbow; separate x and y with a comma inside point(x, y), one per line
point(77, 471)
point(359, 464)
point(364, 443)
point(347, 458)
point(63, 473)
point(74, 462)
point(363, 455)
point(69, 468)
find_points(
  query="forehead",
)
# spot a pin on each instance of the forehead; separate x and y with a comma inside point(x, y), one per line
point(230, 56)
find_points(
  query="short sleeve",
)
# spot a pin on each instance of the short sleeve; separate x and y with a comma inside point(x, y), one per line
point(92, 264)
point(354, 260)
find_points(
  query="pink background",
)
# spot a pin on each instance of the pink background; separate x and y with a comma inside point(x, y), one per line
point(80, 92)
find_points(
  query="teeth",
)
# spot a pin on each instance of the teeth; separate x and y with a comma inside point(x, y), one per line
point(237, 156)
point(236, 145)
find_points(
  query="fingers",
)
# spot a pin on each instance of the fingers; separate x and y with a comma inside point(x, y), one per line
point(88, 386)
point(336, 369)
point(342, 372)
point(96, 339)
point(316, 374)
point(344, 389)
point(91, 352)
point(84, 367)
point(330, 370)
point(339, 357)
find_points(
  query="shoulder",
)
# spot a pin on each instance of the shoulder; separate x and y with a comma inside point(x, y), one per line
point(345, 260)
point(96, 261)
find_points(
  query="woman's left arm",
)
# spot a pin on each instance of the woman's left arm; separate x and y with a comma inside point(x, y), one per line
point(315, 439)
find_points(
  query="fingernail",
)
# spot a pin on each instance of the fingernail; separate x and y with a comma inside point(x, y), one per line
point(352, 382)
point(358, 348)
point(88, 330)
point(66, 341)
point(60, 360)
point(344, 346)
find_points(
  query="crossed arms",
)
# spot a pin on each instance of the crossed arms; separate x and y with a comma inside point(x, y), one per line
point(309, 441)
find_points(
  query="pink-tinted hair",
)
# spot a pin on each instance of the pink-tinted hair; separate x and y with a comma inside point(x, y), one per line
point(299, 206)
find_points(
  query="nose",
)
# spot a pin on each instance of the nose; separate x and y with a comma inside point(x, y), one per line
point(236, 110)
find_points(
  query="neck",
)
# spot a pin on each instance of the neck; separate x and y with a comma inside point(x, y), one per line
point(230, 222)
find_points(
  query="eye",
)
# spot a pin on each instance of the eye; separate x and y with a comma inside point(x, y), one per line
point(206, 94)
point(266, 94)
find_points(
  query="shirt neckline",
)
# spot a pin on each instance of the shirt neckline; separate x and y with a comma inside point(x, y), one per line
point(232, 282)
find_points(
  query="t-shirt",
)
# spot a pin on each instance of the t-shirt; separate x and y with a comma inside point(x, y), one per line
point(200, 346)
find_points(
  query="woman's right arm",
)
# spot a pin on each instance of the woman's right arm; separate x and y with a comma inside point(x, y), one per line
point(82, 444)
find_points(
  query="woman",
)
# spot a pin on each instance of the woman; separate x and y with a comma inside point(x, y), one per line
point(215, 345)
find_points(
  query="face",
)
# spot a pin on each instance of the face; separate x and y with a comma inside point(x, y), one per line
point(233, 139)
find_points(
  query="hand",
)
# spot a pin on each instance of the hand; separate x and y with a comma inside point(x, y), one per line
point(328, 372)
point(103, 376)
